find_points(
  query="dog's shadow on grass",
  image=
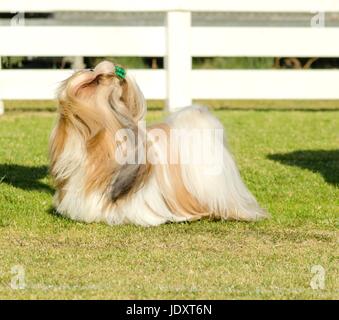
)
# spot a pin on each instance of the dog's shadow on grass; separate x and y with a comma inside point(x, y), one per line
point(25, 177)
point(325, 162)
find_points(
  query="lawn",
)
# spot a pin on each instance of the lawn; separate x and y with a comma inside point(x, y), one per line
point(289, 158)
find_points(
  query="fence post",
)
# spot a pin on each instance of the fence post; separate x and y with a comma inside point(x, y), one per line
point(2, 105)
point(178, 60)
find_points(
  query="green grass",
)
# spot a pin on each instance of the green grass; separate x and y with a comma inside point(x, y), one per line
point(288, 158)
point(319, 105)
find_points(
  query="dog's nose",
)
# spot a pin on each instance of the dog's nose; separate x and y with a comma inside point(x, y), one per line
point(104, 67)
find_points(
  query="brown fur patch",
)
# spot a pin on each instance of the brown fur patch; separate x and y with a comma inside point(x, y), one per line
point(133, 102)
point(100, 162)
point(175, 194)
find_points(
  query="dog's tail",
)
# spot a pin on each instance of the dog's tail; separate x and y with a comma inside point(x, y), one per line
point(208, 169)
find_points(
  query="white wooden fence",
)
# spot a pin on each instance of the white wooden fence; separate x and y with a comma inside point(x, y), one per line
point(178, 42)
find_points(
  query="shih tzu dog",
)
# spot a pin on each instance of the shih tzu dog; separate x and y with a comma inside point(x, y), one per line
point(108, 167)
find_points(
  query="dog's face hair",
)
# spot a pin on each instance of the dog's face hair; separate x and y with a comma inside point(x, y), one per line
point(93, 106)
point(99, 91)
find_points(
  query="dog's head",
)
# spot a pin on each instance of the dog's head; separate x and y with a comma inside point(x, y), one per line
point(94, 105)
point(101, 97)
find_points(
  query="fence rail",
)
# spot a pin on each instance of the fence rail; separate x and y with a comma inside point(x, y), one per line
point(151, 41)
point(171, 5)
point(227, 84)
point(177, 41)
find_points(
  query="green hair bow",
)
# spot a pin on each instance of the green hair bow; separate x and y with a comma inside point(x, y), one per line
point(120, 72)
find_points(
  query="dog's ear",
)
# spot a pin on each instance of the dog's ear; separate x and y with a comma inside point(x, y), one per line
point(133, 98)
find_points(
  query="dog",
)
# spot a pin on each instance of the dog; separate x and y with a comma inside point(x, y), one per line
point(108, 167)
